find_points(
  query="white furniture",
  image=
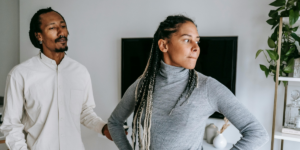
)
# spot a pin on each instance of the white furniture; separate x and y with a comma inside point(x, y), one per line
point(277, 133)
point(276, 129)
point(207, 146)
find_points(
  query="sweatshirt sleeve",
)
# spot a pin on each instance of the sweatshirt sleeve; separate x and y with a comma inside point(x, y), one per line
point(254, 135)
point(118, 117)
point(88, 117)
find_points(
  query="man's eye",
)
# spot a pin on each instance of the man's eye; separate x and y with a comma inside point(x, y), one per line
point(198, 42)
point(63, 26)
point(51, 28)
point(186, 40)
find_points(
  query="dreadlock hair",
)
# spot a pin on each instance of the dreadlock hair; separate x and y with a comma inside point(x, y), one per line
point(143, 93)
point(35, 26)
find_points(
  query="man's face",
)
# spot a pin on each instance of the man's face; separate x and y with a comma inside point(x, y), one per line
point(54, 32)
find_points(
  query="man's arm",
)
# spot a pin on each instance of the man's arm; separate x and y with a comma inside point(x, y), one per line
point(12, 127)
point(88, 117)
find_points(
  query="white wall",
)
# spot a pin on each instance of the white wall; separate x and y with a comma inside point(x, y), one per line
point(96, 28)
point(9, 41)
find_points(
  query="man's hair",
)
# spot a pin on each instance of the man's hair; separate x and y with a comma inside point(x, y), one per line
point(35, 26)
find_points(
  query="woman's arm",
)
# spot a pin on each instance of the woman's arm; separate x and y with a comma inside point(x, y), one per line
point(118, 117)
point(223, 101)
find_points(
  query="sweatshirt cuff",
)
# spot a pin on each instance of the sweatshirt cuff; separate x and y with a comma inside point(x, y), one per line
point(100, 126)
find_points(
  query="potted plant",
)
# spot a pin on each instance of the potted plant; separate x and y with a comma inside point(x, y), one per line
point(289, 51)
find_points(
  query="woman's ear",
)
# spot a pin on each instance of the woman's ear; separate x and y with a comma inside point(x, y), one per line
point(163, 46)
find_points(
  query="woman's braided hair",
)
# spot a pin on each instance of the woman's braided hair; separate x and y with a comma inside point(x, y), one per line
point(143, 93)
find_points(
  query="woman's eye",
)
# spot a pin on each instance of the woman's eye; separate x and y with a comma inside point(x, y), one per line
point(51, 28)
point(198, 42)
point(63, 26)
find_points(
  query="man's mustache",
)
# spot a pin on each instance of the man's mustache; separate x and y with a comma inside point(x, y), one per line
point(57, 40)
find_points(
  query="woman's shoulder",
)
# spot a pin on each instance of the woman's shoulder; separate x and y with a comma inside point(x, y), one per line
point(202, 79)
point(207, 79)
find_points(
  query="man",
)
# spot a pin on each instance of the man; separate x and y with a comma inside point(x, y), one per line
point(49, 95)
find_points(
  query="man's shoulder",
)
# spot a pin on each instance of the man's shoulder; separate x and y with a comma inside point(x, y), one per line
point(24, 66)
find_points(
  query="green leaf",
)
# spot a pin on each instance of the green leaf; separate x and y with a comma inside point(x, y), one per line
point(275, 34)
point(258, 52)
point(273, 14)
point(272, 69)
point(263, 67)
point(271, 43)
point(294, 15)
point(280, 8)
point(285, 83)
point(285, 13)
point(289, 66)
point(272, 22)
point(274, 37)
point(273, 55)
point(295, 36)
point(288, 69)
point(291, 62)
point(290, 3)
point(278, 3)
point(295, 29)
point(274, 26)
point(267, 73)
point(286, 28)
point(290, 51)
point(284, 58)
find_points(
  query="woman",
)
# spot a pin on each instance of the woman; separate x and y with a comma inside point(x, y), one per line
point(172, 102)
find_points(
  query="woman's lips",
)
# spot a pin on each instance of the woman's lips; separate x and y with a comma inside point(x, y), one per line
point(193, 57)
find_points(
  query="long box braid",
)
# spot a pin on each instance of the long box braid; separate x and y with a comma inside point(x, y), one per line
point(144, 92)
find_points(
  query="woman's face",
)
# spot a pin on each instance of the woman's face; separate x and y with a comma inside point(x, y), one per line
point(181, 49)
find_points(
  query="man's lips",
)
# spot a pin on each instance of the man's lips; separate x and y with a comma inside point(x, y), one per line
point(62, 40)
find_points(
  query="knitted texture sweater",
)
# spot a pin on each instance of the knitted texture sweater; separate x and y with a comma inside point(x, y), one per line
point(184, 128)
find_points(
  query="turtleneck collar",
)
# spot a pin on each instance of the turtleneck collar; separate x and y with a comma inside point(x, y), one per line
point(172, 72)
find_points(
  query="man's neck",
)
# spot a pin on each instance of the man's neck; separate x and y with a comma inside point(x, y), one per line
point(57, 56)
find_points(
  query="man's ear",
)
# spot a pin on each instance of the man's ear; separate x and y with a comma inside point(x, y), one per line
point(163, 46)
point(38, 36)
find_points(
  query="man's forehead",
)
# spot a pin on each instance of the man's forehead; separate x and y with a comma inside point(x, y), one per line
point(50, 17)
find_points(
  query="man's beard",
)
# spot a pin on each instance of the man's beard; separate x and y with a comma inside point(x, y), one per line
point(62, 49)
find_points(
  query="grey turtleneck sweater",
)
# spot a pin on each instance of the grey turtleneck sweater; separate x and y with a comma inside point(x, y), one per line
point(184, 128)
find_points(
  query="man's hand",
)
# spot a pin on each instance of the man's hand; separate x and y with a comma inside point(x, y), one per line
point(105, 132)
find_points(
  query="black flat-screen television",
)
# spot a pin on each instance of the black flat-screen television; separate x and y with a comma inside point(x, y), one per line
point(218, 58)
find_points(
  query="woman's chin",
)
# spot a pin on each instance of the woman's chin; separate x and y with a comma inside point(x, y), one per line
point(189, 66)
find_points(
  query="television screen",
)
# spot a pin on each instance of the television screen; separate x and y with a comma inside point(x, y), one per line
point(218, 57)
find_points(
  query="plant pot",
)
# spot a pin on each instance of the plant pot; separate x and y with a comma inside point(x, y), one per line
point(211, 132)
point(219, 141)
